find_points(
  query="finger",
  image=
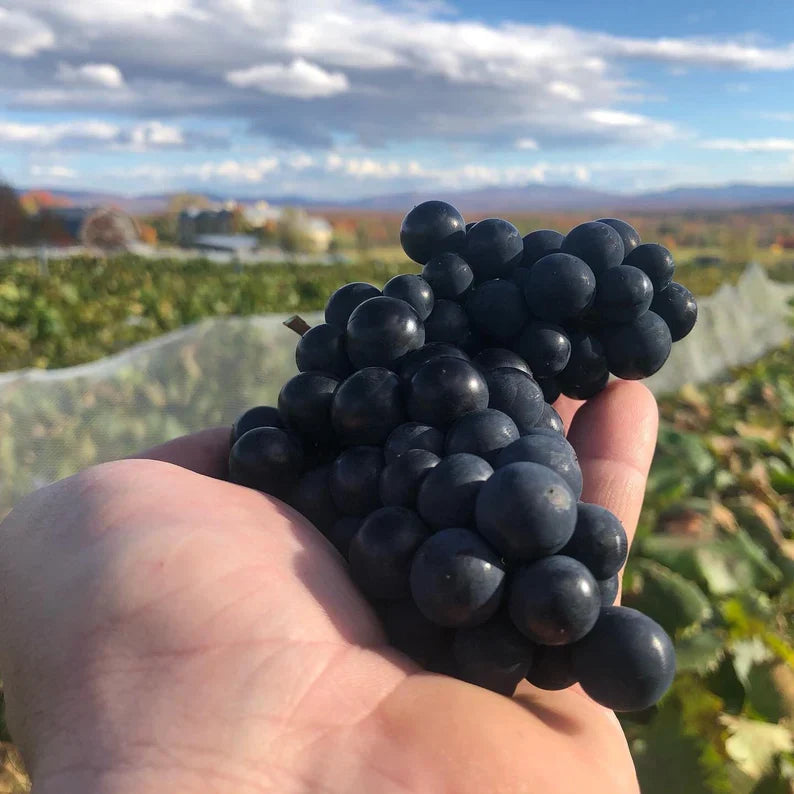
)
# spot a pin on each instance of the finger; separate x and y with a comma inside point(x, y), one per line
point(614, 435)
point(206, 452)
point(567, 408)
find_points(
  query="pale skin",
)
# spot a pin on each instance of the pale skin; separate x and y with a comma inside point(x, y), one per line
point(166, 631)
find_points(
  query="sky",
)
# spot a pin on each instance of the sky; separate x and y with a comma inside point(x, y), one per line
point(341, 99)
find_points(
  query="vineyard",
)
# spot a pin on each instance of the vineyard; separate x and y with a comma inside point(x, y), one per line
point(714, 556)
point(85, 308)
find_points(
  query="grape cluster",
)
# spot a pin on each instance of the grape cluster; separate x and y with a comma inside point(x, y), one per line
point(420, 439)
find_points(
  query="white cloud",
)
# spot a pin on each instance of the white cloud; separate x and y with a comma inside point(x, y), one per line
point(300, 79)
point(97, 134)
point(526, 143)
point(699, 51)
point(233, 170)
point(22, 35)
point(301, 161)
point(750, 145)
point(566, 90)
point(53, 134)
point(631, 126)
point(99, 74)
point(53, 172)
point(155, 134)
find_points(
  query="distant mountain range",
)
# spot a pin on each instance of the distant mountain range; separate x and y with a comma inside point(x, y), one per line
point(529, 198)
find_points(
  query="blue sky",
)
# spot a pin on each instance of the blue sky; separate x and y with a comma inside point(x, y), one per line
point(337, 99)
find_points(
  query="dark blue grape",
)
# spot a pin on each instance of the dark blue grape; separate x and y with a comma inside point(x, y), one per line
point(400, 480)
point(410, 632)
point(260, 416)
point(312, 498)
point(413, 435)
point(554, 601)
point(520, 278)
point(341, 304)
point(629, 235)
point(545, 347)
point(585, 390)
point(473, 343)
point(550, 420)
point(538, 244)
point(494, 655)
point(447, 323)
point(444, 389)
point(367, 407)
point(638, 349)
point(382, 550)
point(525, 511)
point(552, 668)
point(609, 590)
point(323, 349)
point(552, 451)
point(599, 541)
point(494, 248)
point(551, 389)
point(409, 365)
point(414, 290)
point(598, 244)
point(457, 579)
point(497, 309)
point(560, 287)
point(431, 228)
point(623, 293)
point(655, 261)
point(496, 643)
point(267, 459)
point(470, 226)
point(354, 480)
point(676, 305)
point(304, 403)
point(448, 494)
point(627, 661)
point(449, 276)
point(586, 373)
point(316, 454)
point(516, 394)
point(497, 358)
point(342, 531)
point(483, 433)
point(381, 331)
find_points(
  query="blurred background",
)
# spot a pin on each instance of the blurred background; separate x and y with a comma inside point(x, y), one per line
point(180, 176)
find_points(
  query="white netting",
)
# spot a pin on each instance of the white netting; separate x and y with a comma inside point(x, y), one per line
point(736, 325)
point(54, 423)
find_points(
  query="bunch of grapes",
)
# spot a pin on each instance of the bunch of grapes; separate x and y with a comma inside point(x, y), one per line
point(420, 440)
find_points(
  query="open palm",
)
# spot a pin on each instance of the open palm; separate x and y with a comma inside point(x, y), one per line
point(165, 630)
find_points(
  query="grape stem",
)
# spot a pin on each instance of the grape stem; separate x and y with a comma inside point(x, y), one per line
point(298, 324)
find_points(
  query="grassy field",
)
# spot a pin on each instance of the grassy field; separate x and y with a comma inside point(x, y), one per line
point(86, 308)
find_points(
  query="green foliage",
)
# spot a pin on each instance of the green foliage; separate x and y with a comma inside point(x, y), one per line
point(88, 308)
point(714, 564)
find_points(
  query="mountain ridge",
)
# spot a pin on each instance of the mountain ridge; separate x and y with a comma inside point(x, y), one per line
point(533, 197)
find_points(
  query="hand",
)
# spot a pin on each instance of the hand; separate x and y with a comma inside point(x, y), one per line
point(164, 630)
